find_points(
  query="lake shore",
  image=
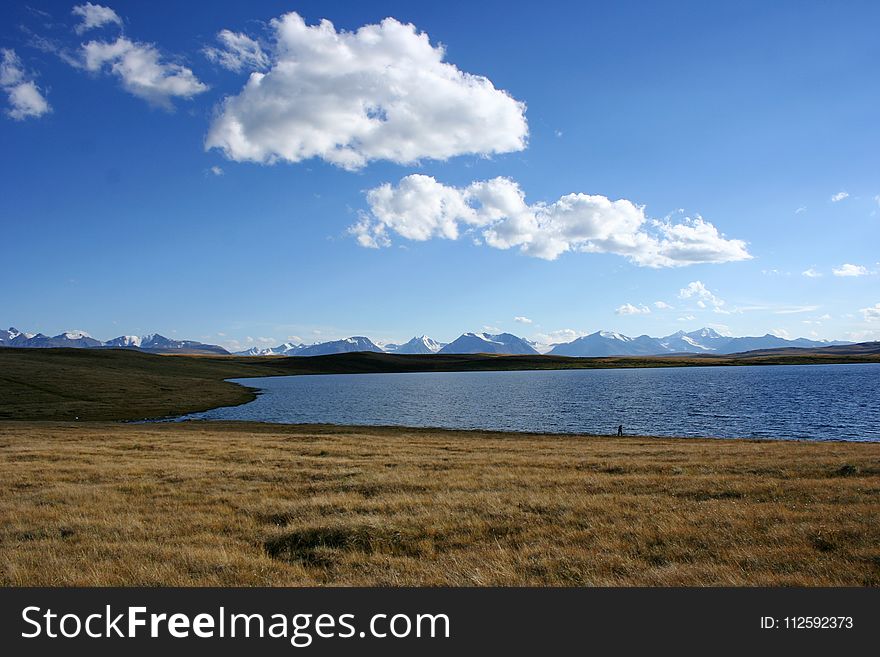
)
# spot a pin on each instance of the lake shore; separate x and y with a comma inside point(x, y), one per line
point(240, 504)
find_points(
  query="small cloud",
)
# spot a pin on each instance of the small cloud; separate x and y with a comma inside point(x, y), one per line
point(237, 52)
point(491, 329)
point(824, 317)
point(629, 309)
point(801, 209)
point(811, 273)
point(871, 314)
point(687, 318)
point(556, 337)
point(662, 305)
point(839, 196)
point(697, 290)
point(522, 320)
point(877, 199)
point(215, 170)
point(94, 16)
point(25, 98)
point(850, 270)
point(558, 133)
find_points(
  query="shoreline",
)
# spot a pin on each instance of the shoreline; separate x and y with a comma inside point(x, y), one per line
point(512, 433)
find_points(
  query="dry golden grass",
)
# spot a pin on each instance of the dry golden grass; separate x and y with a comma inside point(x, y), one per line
point(244, 504)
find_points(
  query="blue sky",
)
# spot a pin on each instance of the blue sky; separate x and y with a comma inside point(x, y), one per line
point(691, 156)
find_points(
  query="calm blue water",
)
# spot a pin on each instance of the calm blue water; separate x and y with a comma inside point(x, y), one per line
point(817, 402)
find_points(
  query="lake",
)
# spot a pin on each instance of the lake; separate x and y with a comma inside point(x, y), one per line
point(815, 402)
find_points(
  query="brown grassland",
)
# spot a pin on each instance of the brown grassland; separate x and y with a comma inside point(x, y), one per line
point(251, 504)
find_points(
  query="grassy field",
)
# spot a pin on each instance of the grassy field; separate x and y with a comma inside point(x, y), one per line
point(240, 504)
point(115, 384)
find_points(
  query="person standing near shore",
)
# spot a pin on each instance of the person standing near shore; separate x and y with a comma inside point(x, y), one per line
point(619, 429)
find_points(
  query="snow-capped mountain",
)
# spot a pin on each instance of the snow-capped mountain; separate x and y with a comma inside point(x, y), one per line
point(600, 343)
point(153, 343)
point(702, 341)
point(356, 343)
point(420, 345)
point(486, 343)
point(160, 344)
point(76, 339)
point(609, 343)
point(124, 341)
point(285, 349)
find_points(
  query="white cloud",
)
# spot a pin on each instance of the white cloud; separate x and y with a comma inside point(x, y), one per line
point(217, 171)
point(877, 199)
point(687, 318)
point(93, 16)
point(794, 310)
point(420, 208)
point(704, 297)
point(662, 305)
point(811, 273)
point(382, 92)
point(522, 320)
point(839, 196)
point(237, 52)
point(629, 309)
point(872, 313)
point(143, 71)
point(826, 316)
point(556, 337)
point(25, 98)
point(850, 270)
point(491, 329)
point(801, 209)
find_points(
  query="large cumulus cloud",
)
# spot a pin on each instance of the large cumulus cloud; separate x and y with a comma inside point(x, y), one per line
point(383, 92)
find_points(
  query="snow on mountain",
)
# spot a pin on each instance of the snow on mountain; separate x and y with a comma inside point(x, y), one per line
point(486, 343)
point(124, 341)
point(356, 343)
point(420, 345)
point(285, 349)
point(607, 343)
point(600, 343)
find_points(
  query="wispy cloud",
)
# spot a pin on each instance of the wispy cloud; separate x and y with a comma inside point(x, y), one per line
point(94, 16)
point(850, 270)
point(662, 305)
point(811, 273)
point(26, 101)
point(237, 52)
point(839, 196)
point(522, 320)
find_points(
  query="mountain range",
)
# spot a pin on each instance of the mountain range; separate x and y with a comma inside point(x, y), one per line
point(152, 343)
point(600, 343)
